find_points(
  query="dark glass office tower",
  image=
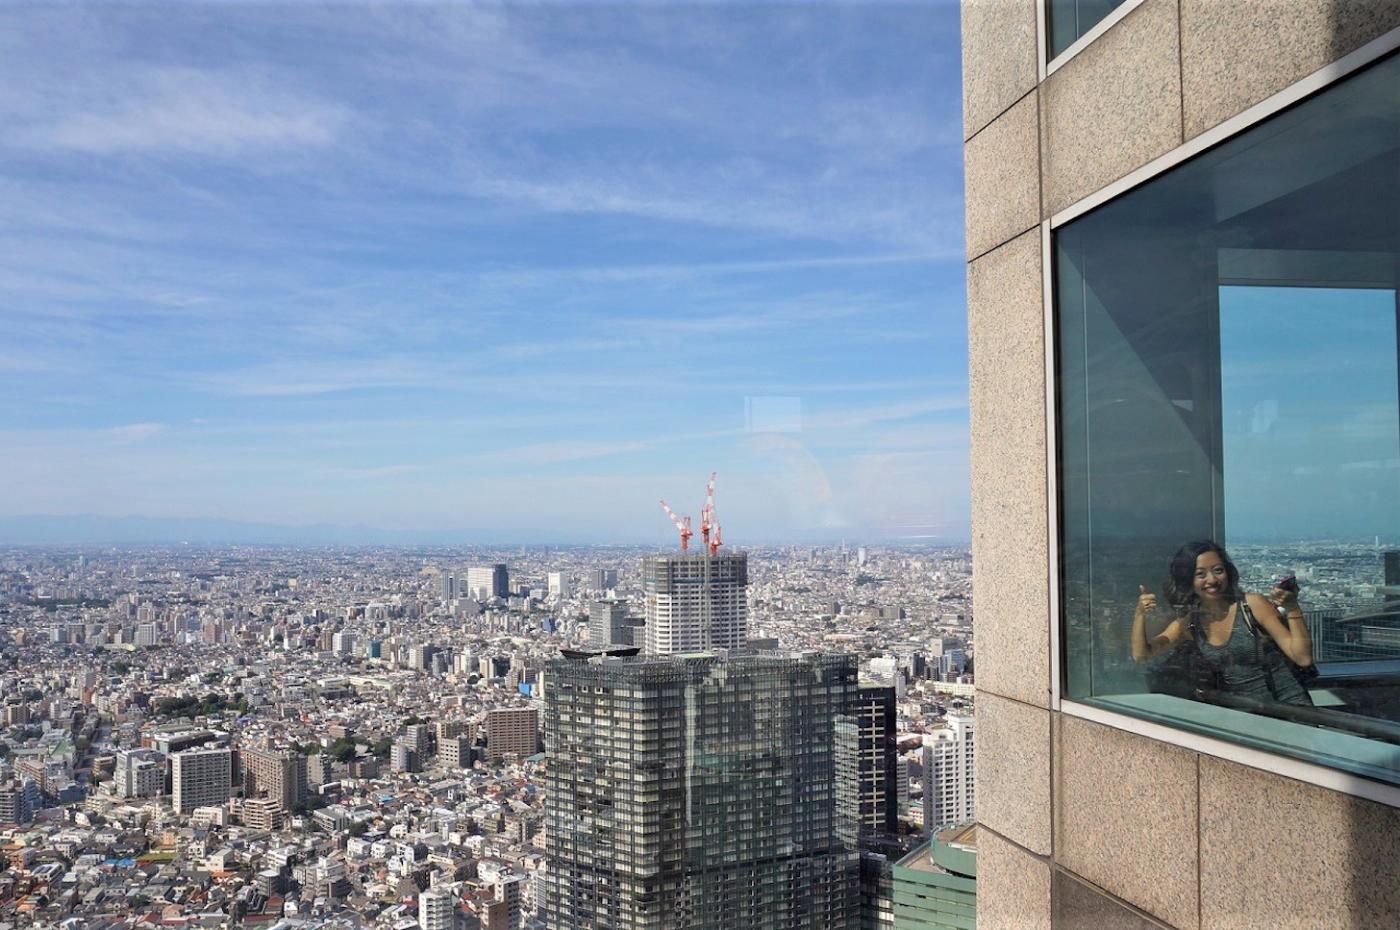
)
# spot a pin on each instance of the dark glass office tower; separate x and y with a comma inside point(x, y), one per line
point(867, 782)
point(867, 797)
point(687, 793)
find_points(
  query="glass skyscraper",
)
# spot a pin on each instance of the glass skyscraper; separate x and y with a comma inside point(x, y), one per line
point(694, 792)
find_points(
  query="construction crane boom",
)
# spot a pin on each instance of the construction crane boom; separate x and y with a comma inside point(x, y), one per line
point(682, 525)
point(707, 513)
point(709, 523)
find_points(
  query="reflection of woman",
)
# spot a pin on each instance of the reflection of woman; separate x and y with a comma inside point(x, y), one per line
point(1211, 611)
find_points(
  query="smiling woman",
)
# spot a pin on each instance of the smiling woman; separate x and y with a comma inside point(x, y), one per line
point(1227, 344)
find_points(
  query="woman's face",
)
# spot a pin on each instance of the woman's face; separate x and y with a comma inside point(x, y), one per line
point(1212, 579)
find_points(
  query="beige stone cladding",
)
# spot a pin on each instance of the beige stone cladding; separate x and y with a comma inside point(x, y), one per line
point(1129, 831)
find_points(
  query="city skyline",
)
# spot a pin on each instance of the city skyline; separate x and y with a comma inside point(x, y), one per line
point(511, 274)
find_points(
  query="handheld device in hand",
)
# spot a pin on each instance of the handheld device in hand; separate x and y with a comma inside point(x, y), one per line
point(1287, 582)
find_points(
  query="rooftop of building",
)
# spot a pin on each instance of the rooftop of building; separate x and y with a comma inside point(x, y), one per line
point(952, 851)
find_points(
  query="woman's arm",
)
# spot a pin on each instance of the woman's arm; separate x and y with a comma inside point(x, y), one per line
point(1144, 648)
point(1293, 639)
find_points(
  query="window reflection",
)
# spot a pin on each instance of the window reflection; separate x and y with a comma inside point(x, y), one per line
point(1227, 346)
point(1070, 19)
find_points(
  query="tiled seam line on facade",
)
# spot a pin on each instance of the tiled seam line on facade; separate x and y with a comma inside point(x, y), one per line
point(1039, 171)
point(989, 122)
point(1200, 904)
point(1053, 867)
point(1261, 110)
point(1050, 772)
point(1180, 75)
point(1007, 241)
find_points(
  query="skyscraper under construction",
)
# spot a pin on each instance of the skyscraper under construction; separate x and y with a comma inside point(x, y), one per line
point(697, 792)
point(695, 602)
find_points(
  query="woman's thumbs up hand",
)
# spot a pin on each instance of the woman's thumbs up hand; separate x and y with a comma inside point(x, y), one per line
point(1146, 602)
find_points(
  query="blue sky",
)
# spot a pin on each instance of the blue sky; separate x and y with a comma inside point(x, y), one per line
point(514, 271)
point(1310, 455)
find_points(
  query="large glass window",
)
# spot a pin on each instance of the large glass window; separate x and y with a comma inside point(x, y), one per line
point(1070, 19)
point(1227, 373)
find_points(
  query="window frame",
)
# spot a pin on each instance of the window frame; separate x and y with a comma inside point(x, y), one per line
point(1048, 64)
point(1312, 773)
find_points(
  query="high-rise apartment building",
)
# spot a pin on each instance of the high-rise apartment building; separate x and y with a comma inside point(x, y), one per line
point(139, 773)
point(602, 580)
point(610, 625)
point(559, 585)
point(512, 731)
point(319, 770)
point(1182, 243)
point(867, 775)
point(453, 726)
point(343, 643)
point(421, 655)
point(455, 752)
point(694, 792)
point(487, 582)
point(402, 758)
point(19, 799)
point(263, 814)
point(506, 913)
point(276, 775)
point(200, 778)
point(950, 773)
point(420, 738)
point(695, 602)
point(437, 910)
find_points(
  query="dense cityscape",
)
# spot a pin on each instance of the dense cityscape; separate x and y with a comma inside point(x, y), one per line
point(357, 737)
point(349, 347)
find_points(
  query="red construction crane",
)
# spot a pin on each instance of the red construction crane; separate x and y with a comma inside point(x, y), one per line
point(709, 523)
point(707, 512)
point(682, 524)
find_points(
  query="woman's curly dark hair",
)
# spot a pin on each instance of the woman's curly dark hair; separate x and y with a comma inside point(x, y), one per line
point(1180, 587)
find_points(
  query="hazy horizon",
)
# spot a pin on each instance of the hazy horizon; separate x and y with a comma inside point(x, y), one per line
point(41, 530)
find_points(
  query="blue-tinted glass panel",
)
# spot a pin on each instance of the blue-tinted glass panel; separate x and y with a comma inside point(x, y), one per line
point(1070, 19)
point(1227, 372)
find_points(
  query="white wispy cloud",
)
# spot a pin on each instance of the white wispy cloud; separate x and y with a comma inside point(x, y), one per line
point(556, 236)
point(375, 472)
point(135, 432)
point(164, 110)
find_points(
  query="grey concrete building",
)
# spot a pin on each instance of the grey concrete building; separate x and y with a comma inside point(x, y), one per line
point(485, 582)
point(512, 732)
point(200, 778)
point(274, 774)
point(610, 625)
point(1139, 175)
